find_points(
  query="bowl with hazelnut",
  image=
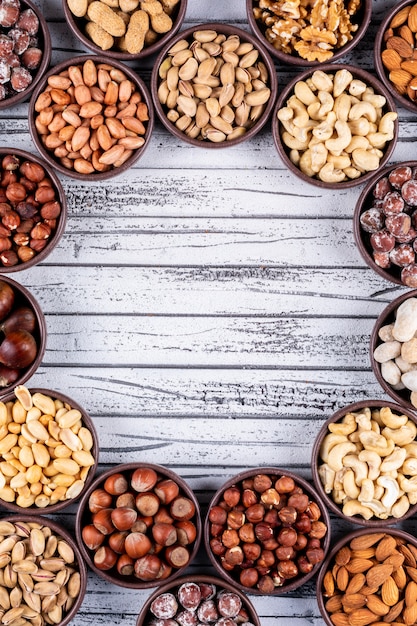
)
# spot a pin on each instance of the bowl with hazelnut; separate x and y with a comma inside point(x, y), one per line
point(106, 122)
point(385, 223)
point(206, 598)
point(25, 50)
point(334, 126)
point(315, 36)
point(369, 576)
point(132, 33)
point(353, 461)
point(33, 210)
point(266, 531)
point(49, 477)
point(213, 85)
point(42, 543)
point(138, 525)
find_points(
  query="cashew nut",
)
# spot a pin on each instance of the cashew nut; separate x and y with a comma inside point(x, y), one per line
point(345, 427)
point(359, 127)
point(328, 443)
point(410, 467)
point(337, 454)
point(327, 103)
point(304, 93)
point(357, 87)
point(293, 143)
point(377, 508)
point(322, 81)
point(305, 163)
point(327, 476)
point(318, 156)
point(401, 507)
point(392, 491)
point(373, 461)
point(324, 130)
point(340, 162)
point(363, 421)
point(359, 468)
point(349, 485)
point(342, 106)
point(363, 109)
point(394, 460)
point(377, 101)
point(342, 79)
point(386, 125)
point(376, 443)
point(358, 141)
point(301, 118)
point(411, 449)
point(329, 174)
point(354, 507)
point(365, 160)
point(392, 420)
point(343, 139)
point(403, 435)
point(408, 484)
point(352, 172)
point(367, 491)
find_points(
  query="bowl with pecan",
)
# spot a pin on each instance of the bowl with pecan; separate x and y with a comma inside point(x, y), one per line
point(363, 465)
point(335, 126)
point(266, 531)
point(138, 525)
point(395, 58)
point(25, 50)
point(106, 120)
point(125, 31)
point(33, 210)
point(385, 223)
point(369, 577)
point(198, 597)
point(213, 85)
point(308, 35)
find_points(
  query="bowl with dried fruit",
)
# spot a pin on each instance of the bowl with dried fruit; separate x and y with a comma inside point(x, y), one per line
point(41, 545)
point(49, 477)
point(213, 85)
point(106, 123)
point(22, 334)
point(392, 349)
point(198, 597)
point(369, 577)
point(25, 50)
point(394, 55)
point(266, 531)
point(335, 126)
point(33, 210)
point(138, 525)
point(310, 35)
point(125, 31)
point(363, 463)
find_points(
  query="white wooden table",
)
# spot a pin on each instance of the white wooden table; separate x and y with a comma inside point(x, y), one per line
point(208, 309)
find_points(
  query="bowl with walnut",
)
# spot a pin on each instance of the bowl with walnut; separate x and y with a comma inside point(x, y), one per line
point(138, 525)
point(267, 531)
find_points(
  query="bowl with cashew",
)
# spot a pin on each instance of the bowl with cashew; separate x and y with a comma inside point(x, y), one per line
point(364, 463)
point(310, 35)
point(335, 126)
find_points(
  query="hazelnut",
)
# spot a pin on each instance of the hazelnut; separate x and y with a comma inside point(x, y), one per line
point(40, 231)
point(230, 538)
point(102, 520)
point(15, 192)
point(249, 498)
point(186, 532)
point(147, 503)
point(249, 577)
point(123, 518)
point(284, 484)
point(217, 515)
point(92, 537)
point(50, 210)
point(299, 501)
point(251, 551)
point(287, 569)
point(270, 498)
point(10, 162)
point(125, 565)
point(261, 482)
point(143, 479)
point(32, 171)
point(148, 567)
point(105, 558)
point(255, 513)
point(177, 556)
point(287, 536)
point(266, 585)
point(263, 531)
point(163, 516)
point(126, 499)
point(235, 519)
point(247, 533)
point(9, 258)
point(25, 253)
point(182, 508)
point(117, 541)
point(234, 556)
point(44, 194)
point(164, 534)
point(38, 244)
point(99, 499)
point(137, 545)
point(115, 484)
point(217, 547)
point(167, 490)
point(232, 496)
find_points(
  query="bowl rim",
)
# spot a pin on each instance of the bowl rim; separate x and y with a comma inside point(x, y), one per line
point(275, 471)
point(379, 66)
point(80, 60)
point(398, 532)
point(357, 72)
point(88, 422)
point(60, 530)
point(292, 59)
point(45, 61)
point(125, 56)
point(62, 219)
point(42, 333)
point(337, 416)
point(132, 582)
point(198, 578)
point(383, 318)
point(227, 29)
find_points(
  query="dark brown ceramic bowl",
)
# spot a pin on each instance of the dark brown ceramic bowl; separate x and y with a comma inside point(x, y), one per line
point(361, 20)
point(284, 150)
point(50, 154)
point(288, 571)
point(400, 93)
point(208, 585)
point(404, 550)
point(218, 141)
point(15, 259)
point(77, 25)
point(10, 376)
point(153, 573)
point(77, 566)
point(319, 466)
point(386, 317)
point(41, 507)
point(44, 43)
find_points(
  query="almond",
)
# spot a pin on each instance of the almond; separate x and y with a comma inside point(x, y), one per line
point(378, 574)
point(356, 566)
point(412, 572)
point(400, 578)
point(400, 78)
point(385, 548)
point(343, 556)
point(342, 578)
point(389, 592)
point(407, 35)
point(353, 601)
point(334, 604)
point(394, 612)
point(377, 606)
point(396, 559)
point(340, 619)
point(410, 595)
point(409, 614)
point(410, 66)
point(412, 19)
point(401, 46)
point(400, 18)
point(362, 617)
point(409, 557)
point(328, 584)
point(365, 541)
point(367, 553)
point(391, 59)
point(356, 583)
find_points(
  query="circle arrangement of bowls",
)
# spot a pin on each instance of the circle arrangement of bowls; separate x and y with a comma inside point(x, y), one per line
point(61, 221)
point(316, 460)
point(84, 518)
point(49, 155)
point(77, 25)
point(46, 47)
point(394, 557)
point(382, 71)
point(362, 19)
point(387, 316)
point(233, 576)
point(226, 30)
point(288, 91)
point(146, 617)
